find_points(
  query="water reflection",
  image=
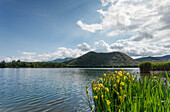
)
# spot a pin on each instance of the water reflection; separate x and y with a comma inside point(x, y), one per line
point(53, 90)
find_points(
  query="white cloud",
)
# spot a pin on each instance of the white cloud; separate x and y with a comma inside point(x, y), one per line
point(83, 47)
point(117, 46)
point(91, 28)
point(146, 23)
point(115, 33)
point(142, 35)
point(101, 46)
point(127, 46)
point(27, 53)
point(131, 17)
point(106, 2)
point(61, 53)
point(135, 48)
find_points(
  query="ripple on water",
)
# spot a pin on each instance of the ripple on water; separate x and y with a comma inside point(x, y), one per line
point(45, 90)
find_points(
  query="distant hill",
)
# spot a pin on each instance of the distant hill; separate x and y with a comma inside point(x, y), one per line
point(60, 60)
point(155, 59)
point(102, 59)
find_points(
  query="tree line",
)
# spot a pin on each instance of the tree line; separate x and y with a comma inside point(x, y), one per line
point(20, 64)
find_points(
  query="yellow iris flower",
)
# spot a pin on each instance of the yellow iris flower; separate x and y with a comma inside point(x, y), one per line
point(107, 89)
point(118, 81)
point(94, 88)
point(125, 77)
point(95, 97)
point(108, 102)
point(122, 83)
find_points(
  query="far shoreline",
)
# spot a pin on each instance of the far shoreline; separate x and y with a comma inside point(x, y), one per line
point(79, 67)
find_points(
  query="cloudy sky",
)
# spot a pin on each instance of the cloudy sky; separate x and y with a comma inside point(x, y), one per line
point(43, 30)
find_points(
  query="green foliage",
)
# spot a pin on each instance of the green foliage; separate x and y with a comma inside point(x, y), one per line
point(122, 92)
point(19, 64)
point(148, 66)
point(3, 64)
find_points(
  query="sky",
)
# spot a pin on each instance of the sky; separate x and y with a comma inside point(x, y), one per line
point(44, 30)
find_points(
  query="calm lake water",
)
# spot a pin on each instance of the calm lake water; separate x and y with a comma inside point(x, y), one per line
point(47, 89)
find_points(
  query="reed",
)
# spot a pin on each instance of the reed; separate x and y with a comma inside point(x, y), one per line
point(120, 91)
point(146, 67)
point(161, 66)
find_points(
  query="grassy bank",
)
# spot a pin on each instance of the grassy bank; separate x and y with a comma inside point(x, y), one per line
point(146, 67)
point(120, 91)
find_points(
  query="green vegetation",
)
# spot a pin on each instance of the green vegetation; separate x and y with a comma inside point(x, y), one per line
point(146, 67)
point(103, 59)
point(19, 64)
point(122, 92)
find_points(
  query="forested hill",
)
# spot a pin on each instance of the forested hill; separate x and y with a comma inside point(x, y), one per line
point(155, 59)
point(103, 59)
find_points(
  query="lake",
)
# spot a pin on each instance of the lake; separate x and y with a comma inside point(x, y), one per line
point(47, 89)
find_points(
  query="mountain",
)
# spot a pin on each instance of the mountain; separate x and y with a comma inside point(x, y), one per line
point(154, 59)
point(167, 57)
point(60, 60)
point(102, 59)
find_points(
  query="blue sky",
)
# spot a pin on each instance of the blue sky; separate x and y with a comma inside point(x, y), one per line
point(41, 30)
point(43, 25)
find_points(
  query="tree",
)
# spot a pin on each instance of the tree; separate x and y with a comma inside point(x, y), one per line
point(3, 64)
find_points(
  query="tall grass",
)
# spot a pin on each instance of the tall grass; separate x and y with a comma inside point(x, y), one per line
point(146, 67)
point(120, 91)
point(163, 66)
